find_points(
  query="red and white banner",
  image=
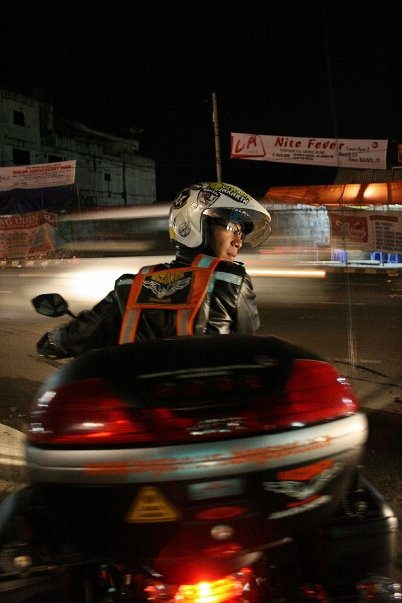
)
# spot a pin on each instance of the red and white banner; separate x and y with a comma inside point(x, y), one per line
point(367, 231)
point(27, 235)
point(41, 175)
point(336, 152)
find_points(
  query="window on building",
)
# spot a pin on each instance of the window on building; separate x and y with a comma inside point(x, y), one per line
point(21, 157)
point(54, 158)
point(19, 118)
point(107, 175)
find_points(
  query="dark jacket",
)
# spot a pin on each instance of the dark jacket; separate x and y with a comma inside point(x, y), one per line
point(230, 309)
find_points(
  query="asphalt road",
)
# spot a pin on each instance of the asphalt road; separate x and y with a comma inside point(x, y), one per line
point(354, 321)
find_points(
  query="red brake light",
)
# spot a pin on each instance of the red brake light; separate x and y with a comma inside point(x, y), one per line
point(316, 392)
point(234, 587)
point(217, 591)
point(85, 413)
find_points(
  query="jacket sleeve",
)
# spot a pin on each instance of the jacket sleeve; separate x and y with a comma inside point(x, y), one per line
point(247, 320)
point(231, 308)
point(95, 328)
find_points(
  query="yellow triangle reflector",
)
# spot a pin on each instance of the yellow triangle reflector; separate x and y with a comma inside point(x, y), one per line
point(151, 506)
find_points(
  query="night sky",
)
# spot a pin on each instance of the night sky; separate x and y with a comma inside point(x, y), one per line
point(278, 67)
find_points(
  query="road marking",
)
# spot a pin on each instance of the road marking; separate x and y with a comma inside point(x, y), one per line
point(362, 361)
point(295, 273)
point(303, 302)
point(335, 303)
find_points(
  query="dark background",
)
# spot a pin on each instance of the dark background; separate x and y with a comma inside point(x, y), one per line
point(322, 68)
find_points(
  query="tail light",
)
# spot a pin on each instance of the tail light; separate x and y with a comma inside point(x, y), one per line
point(182, 410)
point(316, 392)
point(228, 588)
point(85, 413)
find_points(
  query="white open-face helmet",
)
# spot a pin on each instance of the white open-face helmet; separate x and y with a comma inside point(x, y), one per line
point(215, 200)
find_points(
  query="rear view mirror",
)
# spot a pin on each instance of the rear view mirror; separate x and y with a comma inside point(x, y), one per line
point(51, 304)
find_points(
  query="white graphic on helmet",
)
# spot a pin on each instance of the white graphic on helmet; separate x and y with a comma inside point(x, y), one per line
point(162, 291)
point(184, 229)
point(233, 192)
point(205, 198)
point(181, 198)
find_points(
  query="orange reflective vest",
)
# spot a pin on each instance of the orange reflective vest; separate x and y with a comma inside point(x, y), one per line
point(180, 289)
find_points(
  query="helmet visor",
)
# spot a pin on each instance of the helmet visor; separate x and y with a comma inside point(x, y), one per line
point(256, 226)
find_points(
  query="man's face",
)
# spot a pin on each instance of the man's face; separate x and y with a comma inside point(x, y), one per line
point(226, 240)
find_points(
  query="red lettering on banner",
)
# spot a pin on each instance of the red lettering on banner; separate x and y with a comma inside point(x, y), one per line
point(251, 142)
point(287, 143)
point(30, 220)
point(328, 144)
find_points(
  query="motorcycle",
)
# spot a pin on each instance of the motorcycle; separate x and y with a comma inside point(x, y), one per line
point(196, 470)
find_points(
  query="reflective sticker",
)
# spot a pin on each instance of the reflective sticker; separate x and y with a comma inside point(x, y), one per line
point(301, 490)
point(311, 505)
point(306, 472)
point(151, 506)
point(215, 489)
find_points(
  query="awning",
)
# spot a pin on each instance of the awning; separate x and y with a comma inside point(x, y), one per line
point(338, 195)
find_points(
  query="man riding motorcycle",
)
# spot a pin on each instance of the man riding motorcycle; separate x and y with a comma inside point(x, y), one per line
point(204, 290)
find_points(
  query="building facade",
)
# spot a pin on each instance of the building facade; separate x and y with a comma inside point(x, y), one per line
point(110, 170)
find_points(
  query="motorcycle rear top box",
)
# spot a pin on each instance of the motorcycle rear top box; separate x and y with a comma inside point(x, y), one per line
point(168, 439)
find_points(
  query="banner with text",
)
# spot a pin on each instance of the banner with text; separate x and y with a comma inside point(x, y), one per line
point(330, 152)
point(27, 236)
point(41, 175)
point(366, 231)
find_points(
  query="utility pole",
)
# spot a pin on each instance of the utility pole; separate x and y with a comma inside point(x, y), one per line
point(216, 137)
